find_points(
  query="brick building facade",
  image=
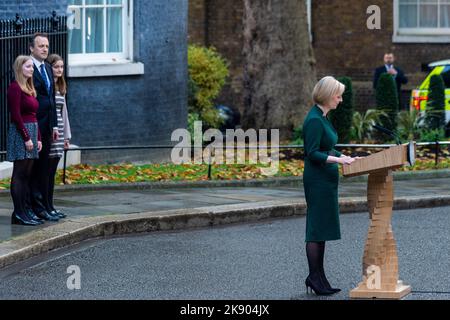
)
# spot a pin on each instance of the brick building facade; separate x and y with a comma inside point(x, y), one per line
point(136, 102)
point(219, 23)
point(342, 43)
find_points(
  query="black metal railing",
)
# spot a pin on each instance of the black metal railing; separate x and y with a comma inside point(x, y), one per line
point(436, 144)
point(14, 41)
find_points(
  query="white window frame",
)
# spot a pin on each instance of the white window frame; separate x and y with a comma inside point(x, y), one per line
point(417, 35)
point(107, 64)
point(309, 15)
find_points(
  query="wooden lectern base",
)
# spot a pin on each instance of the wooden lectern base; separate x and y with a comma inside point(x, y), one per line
point(380, 261)
point(363, 292)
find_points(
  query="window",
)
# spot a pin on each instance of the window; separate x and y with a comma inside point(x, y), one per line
point(308, 13)
point(421, 21)
point(446, 77)
point(102, 35)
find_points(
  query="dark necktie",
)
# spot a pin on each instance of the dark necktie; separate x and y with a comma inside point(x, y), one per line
point(44, 76)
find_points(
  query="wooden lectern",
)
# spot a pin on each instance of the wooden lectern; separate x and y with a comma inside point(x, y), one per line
point(380, 262)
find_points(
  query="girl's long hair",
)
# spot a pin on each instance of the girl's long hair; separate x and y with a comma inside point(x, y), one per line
point(60, 84)
point(25, 84)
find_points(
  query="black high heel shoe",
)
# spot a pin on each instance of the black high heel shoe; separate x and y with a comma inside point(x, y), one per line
point(317, 287)
point(17, 219)
point(327, 284)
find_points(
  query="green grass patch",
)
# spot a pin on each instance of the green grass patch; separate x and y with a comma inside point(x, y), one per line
point(128, 173)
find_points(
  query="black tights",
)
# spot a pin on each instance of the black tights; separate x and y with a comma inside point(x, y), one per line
point(20, 181)
point(53, 166)
point(40, 178)
point(315, 252)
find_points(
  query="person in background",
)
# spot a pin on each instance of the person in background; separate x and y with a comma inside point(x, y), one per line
point(64, 135)
point(48, 125)
point(396, 72)
point(24, 140)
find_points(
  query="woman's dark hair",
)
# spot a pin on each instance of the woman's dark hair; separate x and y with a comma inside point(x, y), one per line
point(60, 84)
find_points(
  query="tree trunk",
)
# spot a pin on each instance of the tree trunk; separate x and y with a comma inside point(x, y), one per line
point(279, 72)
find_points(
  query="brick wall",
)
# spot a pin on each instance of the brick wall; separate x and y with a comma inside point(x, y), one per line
point(342, 43)
point(30, 9)
point(129, 110)
point(138, 110)
point(344, 46)
point(197, 24)
point(219, 23)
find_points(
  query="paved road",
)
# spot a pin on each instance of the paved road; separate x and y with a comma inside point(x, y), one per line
point(97, 203)
point(263, 260)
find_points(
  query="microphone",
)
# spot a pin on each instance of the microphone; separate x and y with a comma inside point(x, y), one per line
point(388, 132)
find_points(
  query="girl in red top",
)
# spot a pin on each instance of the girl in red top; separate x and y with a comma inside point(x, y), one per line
point(24, 142)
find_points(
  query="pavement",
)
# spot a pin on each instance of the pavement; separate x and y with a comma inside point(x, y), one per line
point(263, 260)
point(106, 210)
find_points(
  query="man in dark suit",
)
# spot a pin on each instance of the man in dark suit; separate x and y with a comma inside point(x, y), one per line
point(396, 72)
point(48, 125)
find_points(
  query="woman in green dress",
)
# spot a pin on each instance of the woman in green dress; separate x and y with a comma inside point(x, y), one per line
point(320, 180)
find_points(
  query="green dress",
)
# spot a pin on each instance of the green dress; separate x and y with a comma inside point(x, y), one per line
point(320, 179)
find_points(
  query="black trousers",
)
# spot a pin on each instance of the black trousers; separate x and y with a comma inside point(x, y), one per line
point(40, 177)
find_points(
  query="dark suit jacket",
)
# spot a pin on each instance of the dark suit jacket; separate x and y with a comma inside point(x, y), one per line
point(399, 79)
point(46, 115)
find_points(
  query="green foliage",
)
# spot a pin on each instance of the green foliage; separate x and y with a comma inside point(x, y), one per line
point(192, 117)
point(431, 135)
point(192, 93)
point(341, 118)
point(298, 135)
point(362, 124)
point(387, 100)
point(435, 111)
point(409, 124)
point(208, 72)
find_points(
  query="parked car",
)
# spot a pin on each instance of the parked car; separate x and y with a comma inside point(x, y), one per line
point(419, 96)
point(230, 117)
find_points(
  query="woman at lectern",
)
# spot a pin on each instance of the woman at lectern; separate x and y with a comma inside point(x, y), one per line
point(320, 180)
